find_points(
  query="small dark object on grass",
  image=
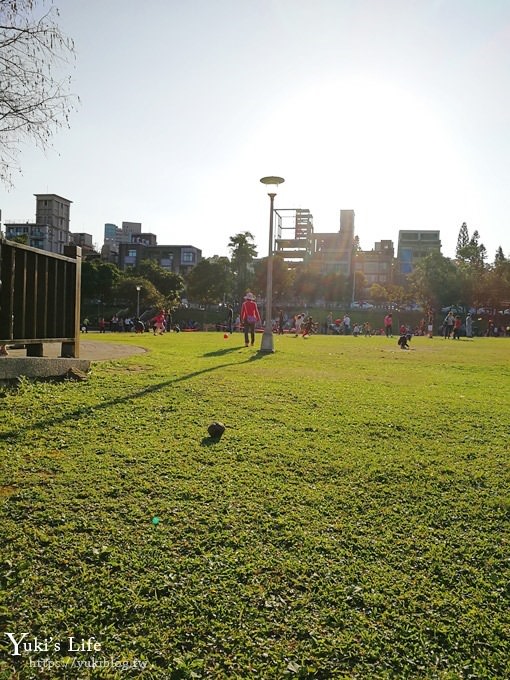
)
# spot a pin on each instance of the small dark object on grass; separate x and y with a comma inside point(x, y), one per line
point(404, 340)
point(76, 374)
point(216, 430)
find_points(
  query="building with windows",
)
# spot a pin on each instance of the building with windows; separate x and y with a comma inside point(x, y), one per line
point(85, 242)
point(376, 265)
point(114, 235)
point(298, 244)
point(294, 235)
point(50, 231)
point(176, 259)
point(413, 245)
point(333, 252)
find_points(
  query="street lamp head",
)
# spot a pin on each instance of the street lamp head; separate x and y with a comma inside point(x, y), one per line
point(138, 288)
point(272, 184)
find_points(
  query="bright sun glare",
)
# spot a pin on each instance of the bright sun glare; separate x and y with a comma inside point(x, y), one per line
point(367, 141)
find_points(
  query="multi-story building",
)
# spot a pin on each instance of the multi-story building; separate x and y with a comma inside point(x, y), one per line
point(110, 233)
point(413, 245)
point(50, 231)
point(114, 235)
point(376, 265)
point(85, 242)
point(294, 235)
point(333, 252)
point(176, 259)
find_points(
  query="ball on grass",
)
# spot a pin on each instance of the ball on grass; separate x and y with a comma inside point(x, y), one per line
point(216, 430)
point(225, 335)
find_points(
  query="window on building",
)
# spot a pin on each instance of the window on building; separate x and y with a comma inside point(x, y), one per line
point(187, 257)
point(132, 253)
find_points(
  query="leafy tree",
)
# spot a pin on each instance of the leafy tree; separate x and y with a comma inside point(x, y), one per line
point(307, 284)
point(378, 294)
point(243, 252)
point(462, 240)
point(435, 282)
point(126, 294)
point(334, 287)
point(224, 273)
point(208, 281)
point(34, 101)
point(398, 295)
point(500, 256)
point(469, 250)
point(98, 279)
point(360, 284)
point(497, 283)
point(170, 285)
point(22, 238)
point(282, 278)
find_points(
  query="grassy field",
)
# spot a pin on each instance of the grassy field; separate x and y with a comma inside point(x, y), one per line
point(352, 522)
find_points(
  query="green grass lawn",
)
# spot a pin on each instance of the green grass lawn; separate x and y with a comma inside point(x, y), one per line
point(353, 521)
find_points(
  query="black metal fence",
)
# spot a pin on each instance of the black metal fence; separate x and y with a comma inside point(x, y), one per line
point(40, 297)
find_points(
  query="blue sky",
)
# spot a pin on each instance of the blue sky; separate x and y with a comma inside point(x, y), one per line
point(398, 110)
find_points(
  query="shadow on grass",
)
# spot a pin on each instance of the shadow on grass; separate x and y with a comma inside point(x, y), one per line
point(239, 348)
point(210, 441)
point(222, 352)
point(88, 410)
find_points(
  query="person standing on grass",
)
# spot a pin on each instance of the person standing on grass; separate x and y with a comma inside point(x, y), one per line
point(159, 323)
point(457, 324)
point(469, 326)
point(281, 322)
point(388, 325)
point(230, 318)
point(249, 317)
point(448, 324)
point(298, 323)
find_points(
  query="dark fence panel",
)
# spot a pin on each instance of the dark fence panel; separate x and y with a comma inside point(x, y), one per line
point(40, 297)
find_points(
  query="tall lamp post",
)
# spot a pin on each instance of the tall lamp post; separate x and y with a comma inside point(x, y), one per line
point(267, 344)
point(138, 289)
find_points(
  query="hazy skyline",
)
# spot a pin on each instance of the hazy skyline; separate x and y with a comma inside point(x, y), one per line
point(396, 110)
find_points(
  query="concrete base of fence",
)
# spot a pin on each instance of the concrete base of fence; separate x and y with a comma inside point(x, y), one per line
point(39, 367)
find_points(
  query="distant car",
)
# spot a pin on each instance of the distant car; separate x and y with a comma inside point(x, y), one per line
point(456, 309)
point(506, 311)
point(361, 305)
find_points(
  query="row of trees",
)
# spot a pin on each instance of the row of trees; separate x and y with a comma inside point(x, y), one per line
point(468, 280)
point(104, 283)
point(435, 282)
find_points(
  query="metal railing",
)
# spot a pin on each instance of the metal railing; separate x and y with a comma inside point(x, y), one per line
point(40, 297)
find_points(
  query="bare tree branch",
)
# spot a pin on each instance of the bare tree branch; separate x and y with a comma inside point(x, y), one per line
point(35, 99)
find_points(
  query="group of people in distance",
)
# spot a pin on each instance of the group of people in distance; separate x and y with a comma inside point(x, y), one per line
point(452, 326)
point(250, 318)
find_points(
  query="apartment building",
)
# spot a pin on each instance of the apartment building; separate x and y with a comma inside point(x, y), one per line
point(50, 231)
point(176, 259)
point(377, 265)
point(413, 245)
